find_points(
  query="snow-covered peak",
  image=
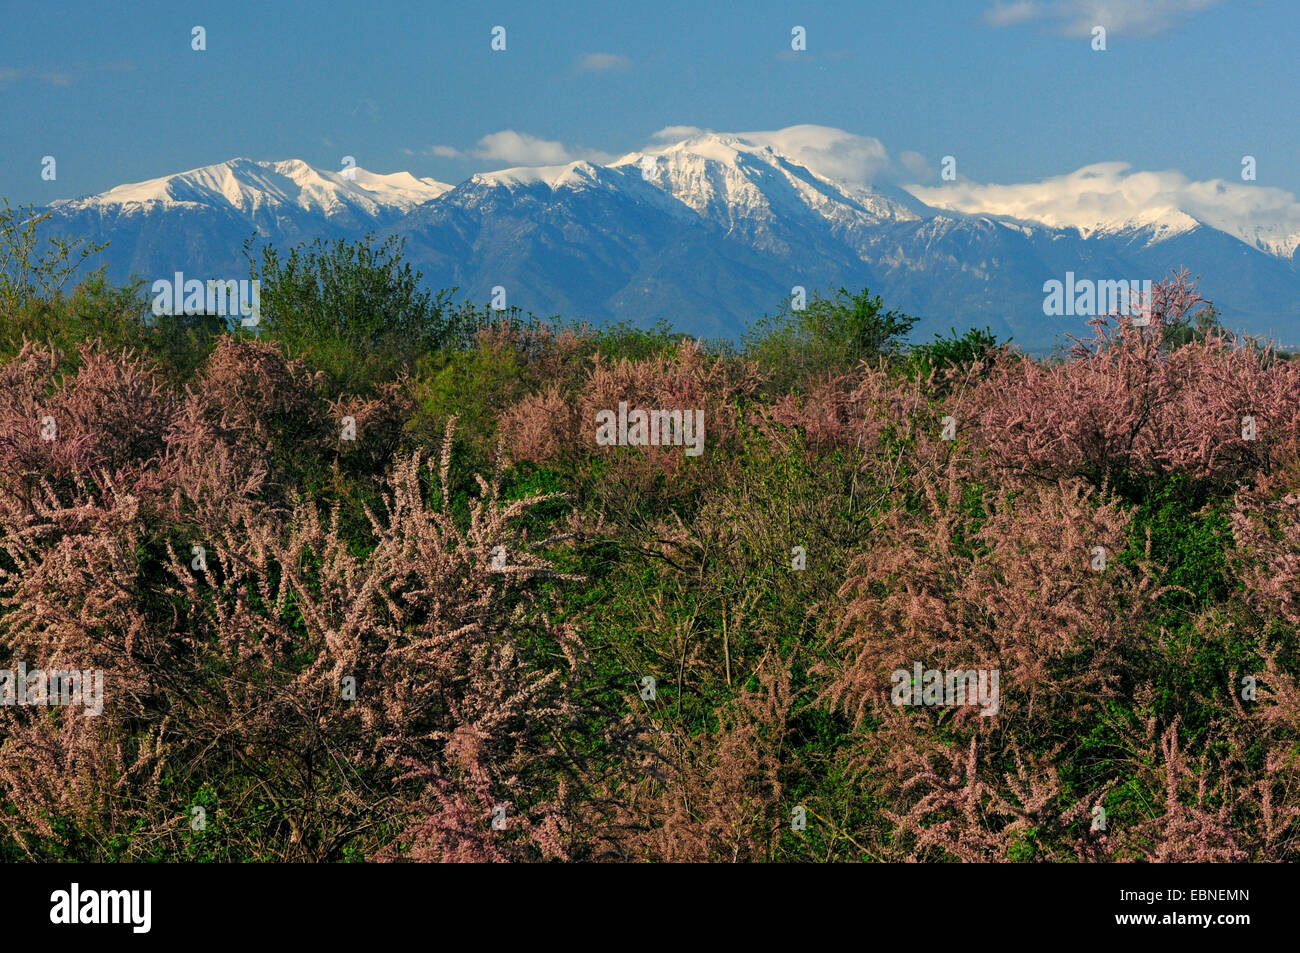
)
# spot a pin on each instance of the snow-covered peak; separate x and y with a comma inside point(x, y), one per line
point(1110, 199)
point(757, 184)
point(571, 175)
point(737, 180)
point(252, 186)
point(399, 189)
point(1157, 224)
point(720, 147)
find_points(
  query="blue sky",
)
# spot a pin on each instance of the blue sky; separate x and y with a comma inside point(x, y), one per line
point(1013, 90)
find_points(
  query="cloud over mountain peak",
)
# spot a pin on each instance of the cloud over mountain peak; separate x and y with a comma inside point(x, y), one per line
point(1111, 196)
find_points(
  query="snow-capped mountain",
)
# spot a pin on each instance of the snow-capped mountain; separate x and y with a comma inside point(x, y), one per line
point(737, 184)
point(1108, 199)
point(253, 187)
point(713, 230)
point(198, 220)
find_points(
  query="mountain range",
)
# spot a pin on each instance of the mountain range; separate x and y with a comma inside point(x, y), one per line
point(708, 233)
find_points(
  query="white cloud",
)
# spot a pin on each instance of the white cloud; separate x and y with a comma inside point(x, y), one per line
point(915, 165)
point(831, 152)
point(1010, 14)
point(834, 153)
point(677, 133)
point(520, 149)
point(1111, 195)
point(65, 77)
point(1078, 17)
point(600, 62)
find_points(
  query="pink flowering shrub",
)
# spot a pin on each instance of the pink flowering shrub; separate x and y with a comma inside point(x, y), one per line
point(719, 796)
point(998, 581)
point(244, 650)
point(1266, 527)
point(107, 418)
point(551, 424)
point(853, 410)
point(319, 630)
point(1123, 406)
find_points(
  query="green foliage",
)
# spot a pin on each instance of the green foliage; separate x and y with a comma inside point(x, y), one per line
point(94, 310)
point(181, 342)
point(952, 351)
point(475, 385)
point(1195, 328)
point(27, 270)
point(355, 309)
point(117, 316)
point(1189, 536)
point(829, 336)
point(856, 324)
point(622, 340)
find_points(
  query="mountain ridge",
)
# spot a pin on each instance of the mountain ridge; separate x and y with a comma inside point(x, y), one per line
point(710, 232)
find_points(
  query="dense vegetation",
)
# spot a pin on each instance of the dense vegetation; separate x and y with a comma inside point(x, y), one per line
point(430, 601)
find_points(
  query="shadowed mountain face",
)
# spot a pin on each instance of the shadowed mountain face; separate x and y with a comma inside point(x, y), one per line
point(707, 234)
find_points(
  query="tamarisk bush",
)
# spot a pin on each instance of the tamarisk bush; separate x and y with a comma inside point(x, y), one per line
point(342, 621)
point(554, 423)
point(389, 699)
point(1124, 408)
point(440, 646)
